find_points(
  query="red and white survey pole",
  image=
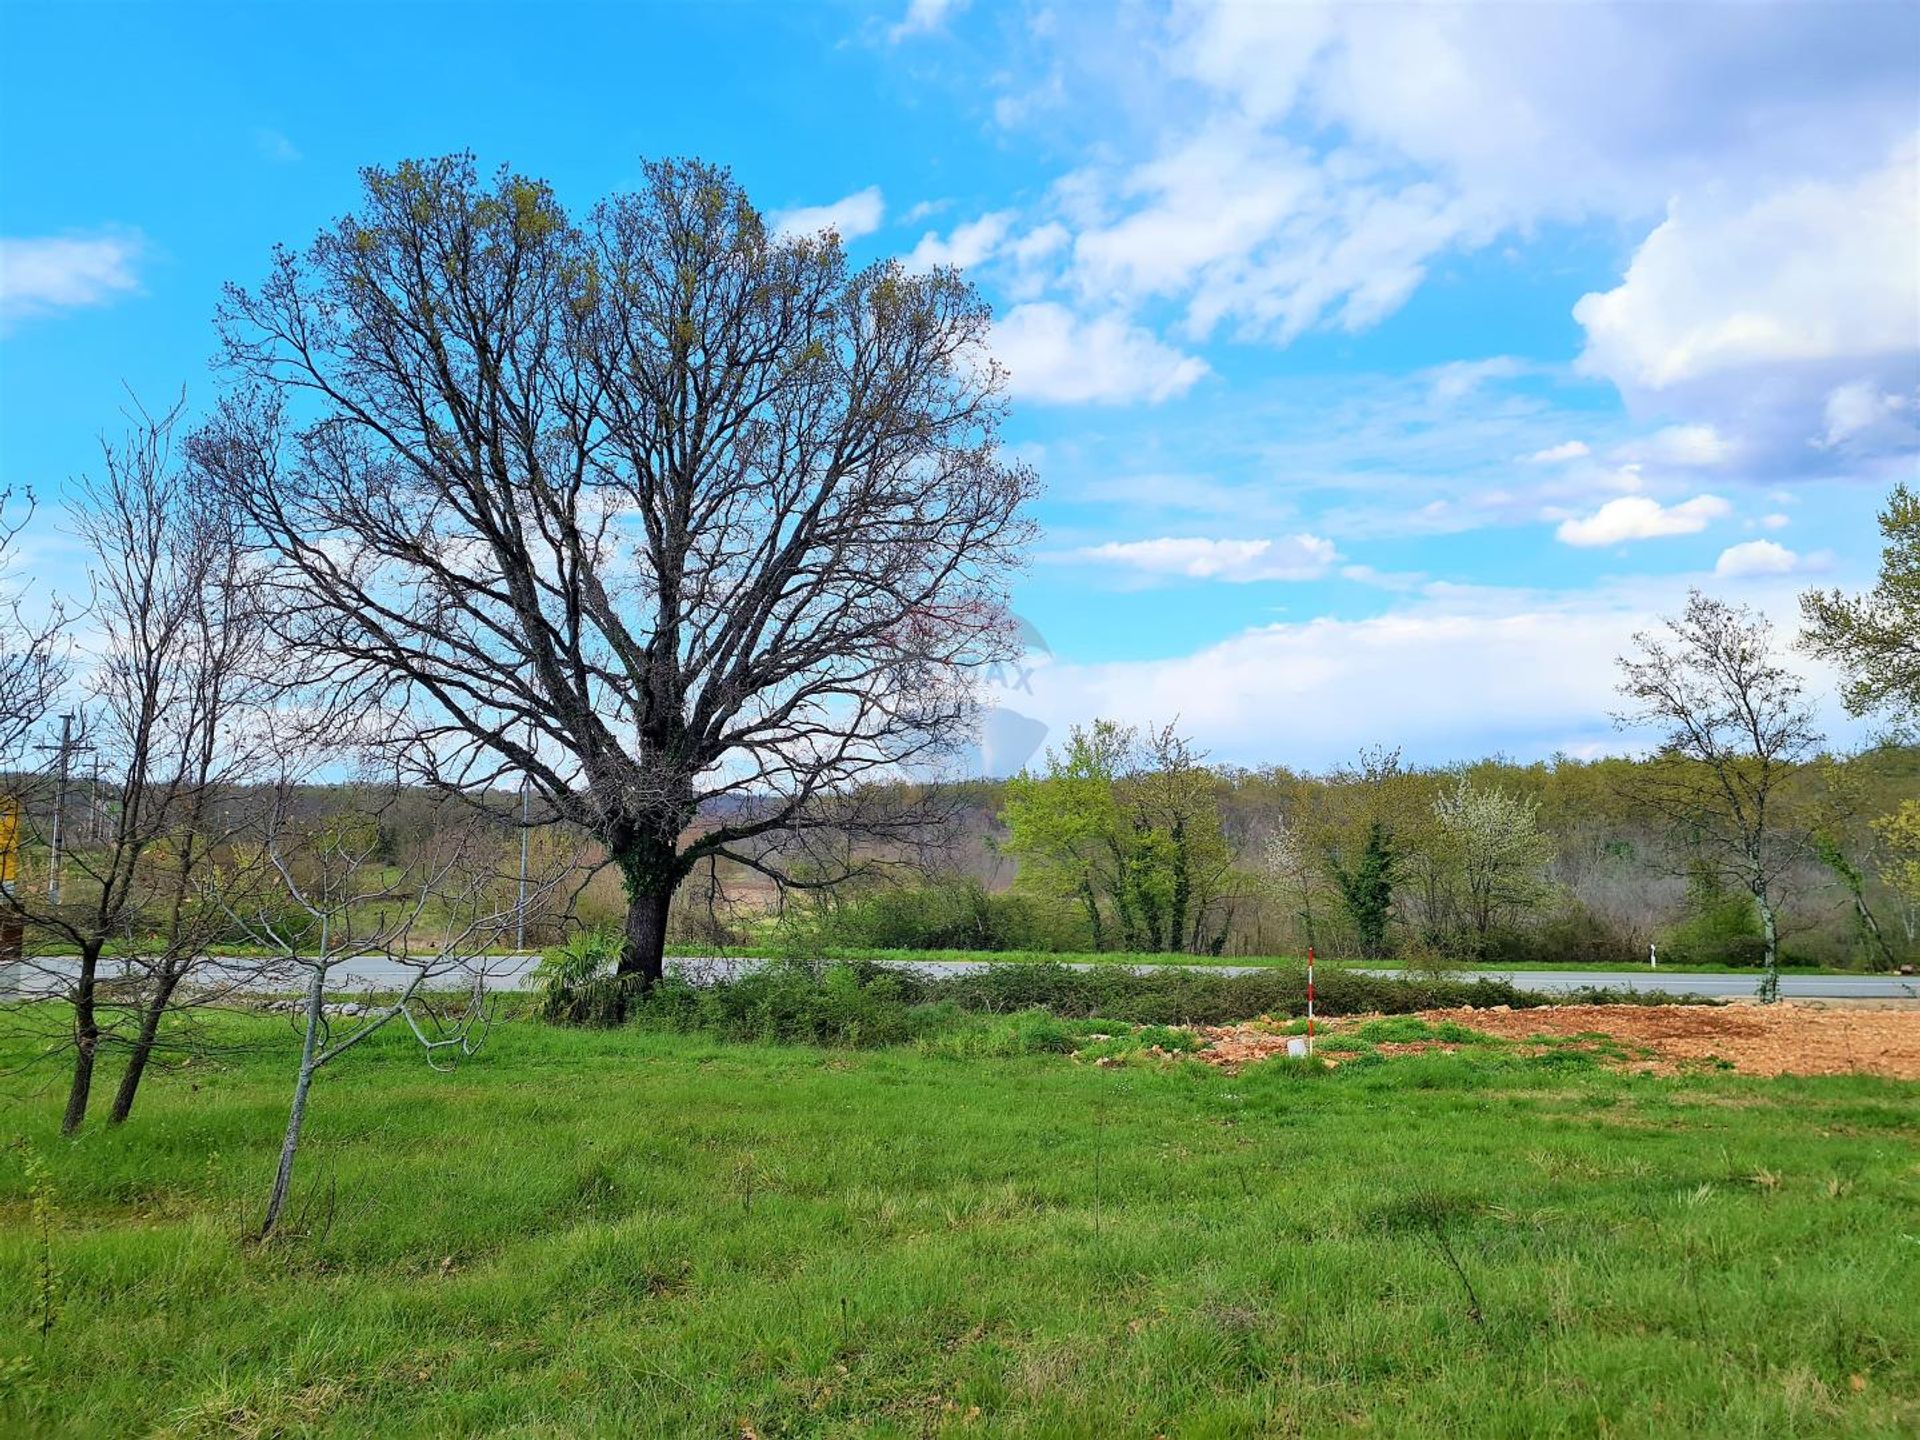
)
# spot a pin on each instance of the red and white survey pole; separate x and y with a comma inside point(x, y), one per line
point(1309, 1000)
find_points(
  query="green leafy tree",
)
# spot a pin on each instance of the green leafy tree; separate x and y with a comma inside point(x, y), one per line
point(1128, 827)
point(1366, 888)
point(1064, 827)
point(1899, 834)
point(1875, 638)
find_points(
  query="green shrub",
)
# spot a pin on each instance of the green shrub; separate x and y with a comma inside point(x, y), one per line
point(1036, 1007)
point(951, 914)
point(576, 982)
point(1573, 935)
point(846, 1004)
point(1722, 927)
point(1202, 997)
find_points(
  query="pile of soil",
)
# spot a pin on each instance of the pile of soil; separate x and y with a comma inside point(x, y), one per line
point(1784, 1039)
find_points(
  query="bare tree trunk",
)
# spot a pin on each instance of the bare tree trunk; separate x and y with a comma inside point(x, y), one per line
point(1093, 915)
point(644, 953)
point(1182, 896)
point(1871, 926)
point(310, 1048)
point(142, 1049)
point(86, 1041)
point(1770, 981)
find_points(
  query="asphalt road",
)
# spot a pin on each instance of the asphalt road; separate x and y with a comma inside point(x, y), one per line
point(508, 972)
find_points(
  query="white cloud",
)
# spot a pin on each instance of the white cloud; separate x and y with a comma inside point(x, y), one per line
point(1053, 355)
point(1254, 232)
point(1755, 557)
point(1440, 680)
point(1861, 411)
point(922, 17)
point(1322, 156)
point(1293, 557)
point(1565, 110)
point(1456, 672)
point(1566, 450)
point(851, 217)
point(1461, 378)
point(1817, 271)
point(1775, 521)
point(1639, 517)
point(1693, 446)
point(40, 275)
point(967, 245)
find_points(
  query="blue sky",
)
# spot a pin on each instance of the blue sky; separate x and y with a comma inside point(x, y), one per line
point(1386, 365)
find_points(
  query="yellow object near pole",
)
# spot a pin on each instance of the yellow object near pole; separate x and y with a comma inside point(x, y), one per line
point(9, 842)
point(12, 932)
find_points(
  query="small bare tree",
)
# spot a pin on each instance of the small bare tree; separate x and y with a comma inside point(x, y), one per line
point(720, 521)
point(1736, 729)
point(327, 907)
point(176, 674)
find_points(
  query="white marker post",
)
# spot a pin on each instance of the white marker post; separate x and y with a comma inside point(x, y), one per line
point(1309, 1002)
point(1653, 957)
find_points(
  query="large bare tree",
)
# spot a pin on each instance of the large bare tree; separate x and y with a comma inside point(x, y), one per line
point(721, 521)
point(1735, 730)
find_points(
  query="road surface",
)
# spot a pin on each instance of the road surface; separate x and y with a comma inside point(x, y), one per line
point(509, 972)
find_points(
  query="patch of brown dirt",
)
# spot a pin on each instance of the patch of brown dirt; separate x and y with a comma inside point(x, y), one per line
point(1784, 1039)
point(1817, 1038)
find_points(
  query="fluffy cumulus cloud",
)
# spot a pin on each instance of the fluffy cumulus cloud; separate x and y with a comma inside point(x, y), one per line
point(1293, 557)
point(1819, 271)
point(1054, 355)
point(1321, 156)
point(1766, 557)
point(42, 275)
point(1283, 169)
point(1860, 413)
point(1640, 517)
point(853, 216)
point(968, 244)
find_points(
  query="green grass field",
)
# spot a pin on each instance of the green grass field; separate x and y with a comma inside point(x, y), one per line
point(632, 1233)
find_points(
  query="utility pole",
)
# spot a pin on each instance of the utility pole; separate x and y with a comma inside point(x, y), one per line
point(66, 749)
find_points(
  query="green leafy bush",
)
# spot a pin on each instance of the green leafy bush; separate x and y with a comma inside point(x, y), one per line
point(1722, 927)
point(843, 1004)
point(952, 914)
point(1572, 935)
point(1202, 997)
point(576, 982)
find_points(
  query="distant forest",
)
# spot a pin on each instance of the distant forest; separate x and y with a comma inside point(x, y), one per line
point(1553, 861)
